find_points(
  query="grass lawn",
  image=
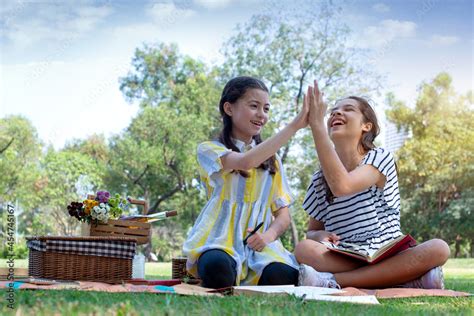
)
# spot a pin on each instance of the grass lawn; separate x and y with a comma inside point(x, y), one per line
point(459, 275)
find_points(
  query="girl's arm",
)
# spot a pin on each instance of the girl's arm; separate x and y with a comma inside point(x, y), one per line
point(255, 156)
point(280, 224)
point(316, 232)
point(340, 181)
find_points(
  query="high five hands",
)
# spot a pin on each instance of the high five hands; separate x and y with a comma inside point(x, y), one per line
point(313, 100)
point(313, 110)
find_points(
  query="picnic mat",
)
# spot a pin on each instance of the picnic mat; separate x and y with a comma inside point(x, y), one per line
point(175, 287)
point(402, 292)
point(182, 288)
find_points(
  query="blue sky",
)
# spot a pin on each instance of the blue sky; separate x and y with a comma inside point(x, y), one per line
point(60, 61)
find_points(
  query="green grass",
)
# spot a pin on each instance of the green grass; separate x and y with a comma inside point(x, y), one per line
point(459, 275)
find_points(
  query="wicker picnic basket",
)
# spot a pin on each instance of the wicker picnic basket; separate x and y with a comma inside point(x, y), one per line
point(100, 259)
point(121, 228)
point(178, 269)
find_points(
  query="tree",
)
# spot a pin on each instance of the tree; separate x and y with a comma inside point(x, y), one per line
point(20, 180)
point(95, 146)
point(20, 151)
point(178, 96)
point(154, 158)
point(289, 51)
point(63, 173)
point(436, 166)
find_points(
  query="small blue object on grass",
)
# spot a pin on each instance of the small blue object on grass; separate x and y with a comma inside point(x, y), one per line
point(164, 288)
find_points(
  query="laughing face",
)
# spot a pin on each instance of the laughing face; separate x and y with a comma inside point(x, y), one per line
point(346, 119)
point(249, 114)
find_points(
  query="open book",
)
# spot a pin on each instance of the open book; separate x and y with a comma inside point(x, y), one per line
point(389, 249)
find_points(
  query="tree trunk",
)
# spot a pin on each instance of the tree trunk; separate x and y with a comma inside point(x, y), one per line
point(294, 232)
point(472, 248)
point(147, 251)
point(457, 247)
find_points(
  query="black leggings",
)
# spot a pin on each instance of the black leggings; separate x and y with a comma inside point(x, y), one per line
point(218, 270)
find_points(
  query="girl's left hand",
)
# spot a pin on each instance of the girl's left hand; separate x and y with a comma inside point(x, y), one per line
point(317, 107)
point(258, 241)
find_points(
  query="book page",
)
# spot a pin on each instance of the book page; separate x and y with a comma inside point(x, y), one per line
point(310, 291)
point(347, 247)
point(365, 299)
point(354, 248)
point(263, 288)
point(307, 293)
point(288, 289)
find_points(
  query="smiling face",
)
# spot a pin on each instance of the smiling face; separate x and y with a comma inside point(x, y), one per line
point(249, 114)
point(346, 120)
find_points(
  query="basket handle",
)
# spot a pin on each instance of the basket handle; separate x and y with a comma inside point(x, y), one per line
point(132, 201)
point(140, 202)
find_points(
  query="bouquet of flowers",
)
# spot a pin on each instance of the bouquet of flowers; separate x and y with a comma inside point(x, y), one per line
point(100, 209)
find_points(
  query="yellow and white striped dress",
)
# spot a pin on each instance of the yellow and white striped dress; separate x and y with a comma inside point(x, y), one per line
point(236, 204)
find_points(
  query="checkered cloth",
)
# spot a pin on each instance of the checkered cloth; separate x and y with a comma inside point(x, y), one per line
point(106, 248)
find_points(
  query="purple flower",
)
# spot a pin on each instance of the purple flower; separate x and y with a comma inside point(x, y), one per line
point(102, 196)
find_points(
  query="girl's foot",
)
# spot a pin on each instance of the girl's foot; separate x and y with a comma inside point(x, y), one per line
point(432, 279)
point(308, 276)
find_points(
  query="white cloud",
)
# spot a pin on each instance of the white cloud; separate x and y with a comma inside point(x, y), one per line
point(386, 32)
point(381, 8)
point(27, 23)
point(213, 4)
point(169, 13)
point(444, 40)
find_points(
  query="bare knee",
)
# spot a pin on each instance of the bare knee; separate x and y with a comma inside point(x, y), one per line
point(439, 250)
point(435, 252)
point(306, 251)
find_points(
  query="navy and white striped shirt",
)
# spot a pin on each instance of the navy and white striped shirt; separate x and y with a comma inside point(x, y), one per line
point(369, 218)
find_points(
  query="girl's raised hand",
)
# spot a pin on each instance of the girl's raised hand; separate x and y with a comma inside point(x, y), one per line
point(301, 120)
point(316, 105)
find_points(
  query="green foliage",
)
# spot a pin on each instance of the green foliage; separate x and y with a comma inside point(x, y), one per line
point(62, 174)
point(436, 165)
point(20, 151)
point(20, 250)
point(95, 146)
point(155, 157)
point(167, 241)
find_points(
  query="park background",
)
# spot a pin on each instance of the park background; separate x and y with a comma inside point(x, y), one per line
point(105, 95)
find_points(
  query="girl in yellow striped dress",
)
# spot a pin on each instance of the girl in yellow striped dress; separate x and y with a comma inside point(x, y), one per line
point(246, 186)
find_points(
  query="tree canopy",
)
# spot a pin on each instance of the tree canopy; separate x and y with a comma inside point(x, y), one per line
point(436, 165)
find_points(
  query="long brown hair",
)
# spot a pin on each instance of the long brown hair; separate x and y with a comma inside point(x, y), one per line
point(233, 91)
point(366, 142)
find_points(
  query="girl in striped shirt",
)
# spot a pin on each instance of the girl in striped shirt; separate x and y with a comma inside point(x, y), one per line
point(354, 198)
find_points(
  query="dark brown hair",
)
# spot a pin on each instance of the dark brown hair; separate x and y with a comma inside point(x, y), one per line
point(366, 142)
point(233, 91)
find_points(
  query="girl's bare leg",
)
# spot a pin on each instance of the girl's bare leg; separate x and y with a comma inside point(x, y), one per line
point(315, 254)
point(403, 267)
